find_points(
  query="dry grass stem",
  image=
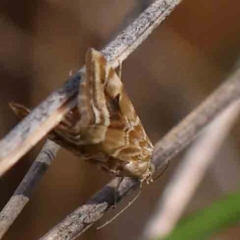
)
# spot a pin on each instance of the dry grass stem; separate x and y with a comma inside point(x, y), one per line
point(178, 138)
point(49, 113)
point(22, 194)
point(190, 173)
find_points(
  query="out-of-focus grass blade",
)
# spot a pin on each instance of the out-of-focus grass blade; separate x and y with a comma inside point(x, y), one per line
point(212, 219)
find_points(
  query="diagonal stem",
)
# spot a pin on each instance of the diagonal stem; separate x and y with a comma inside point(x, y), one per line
point(22, 194)
point(50, 112)
point(167, 148)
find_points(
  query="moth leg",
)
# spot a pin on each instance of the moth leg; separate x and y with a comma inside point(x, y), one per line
point(116, 191)
point(121, 211)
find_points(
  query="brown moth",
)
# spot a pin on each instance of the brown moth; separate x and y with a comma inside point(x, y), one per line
point(104, 127)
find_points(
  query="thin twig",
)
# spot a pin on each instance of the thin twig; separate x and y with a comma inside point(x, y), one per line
point(177, 139)
point(26, 134)
point(49, 113)
point(190, 173)
point(21, 196)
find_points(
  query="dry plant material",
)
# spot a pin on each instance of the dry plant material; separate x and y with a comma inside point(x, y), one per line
point(49, 113)
point(190, 173)
point(104, 128)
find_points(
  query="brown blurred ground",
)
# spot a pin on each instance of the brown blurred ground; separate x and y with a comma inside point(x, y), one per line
point(173, 71)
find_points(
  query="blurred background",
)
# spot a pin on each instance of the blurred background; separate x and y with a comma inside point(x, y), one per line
point(182, 62)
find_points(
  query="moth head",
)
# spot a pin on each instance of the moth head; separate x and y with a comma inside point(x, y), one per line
point(147, 176)
point(143, 170)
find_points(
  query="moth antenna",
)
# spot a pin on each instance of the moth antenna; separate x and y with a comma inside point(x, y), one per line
point(119, 213)
point(164, 170)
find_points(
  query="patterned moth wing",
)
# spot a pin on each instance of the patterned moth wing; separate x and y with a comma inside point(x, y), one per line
point(104, 128)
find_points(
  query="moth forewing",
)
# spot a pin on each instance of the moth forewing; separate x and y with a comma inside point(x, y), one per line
point(104, 127)
point(135, 148)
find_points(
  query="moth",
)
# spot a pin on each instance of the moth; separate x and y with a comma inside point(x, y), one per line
point(104, 128)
